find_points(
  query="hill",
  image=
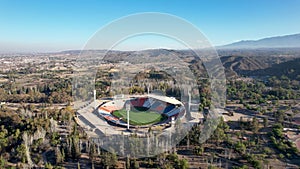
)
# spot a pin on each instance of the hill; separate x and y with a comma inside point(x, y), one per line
point(289, 69)
point(236, 65)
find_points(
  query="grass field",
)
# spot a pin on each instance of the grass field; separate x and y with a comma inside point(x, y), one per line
point(139, 117)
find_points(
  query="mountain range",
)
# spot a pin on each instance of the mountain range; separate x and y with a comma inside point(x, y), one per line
point(287, 41)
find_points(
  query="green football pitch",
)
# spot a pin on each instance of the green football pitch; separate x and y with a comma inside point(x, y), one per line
point(139, 117)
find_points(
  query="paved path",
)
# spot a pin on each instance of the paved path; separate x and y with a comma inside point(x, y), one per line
point(89, 118)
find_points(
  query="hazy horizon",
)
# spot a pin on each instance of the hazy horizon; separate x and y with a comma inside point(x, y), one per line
point(53, 26)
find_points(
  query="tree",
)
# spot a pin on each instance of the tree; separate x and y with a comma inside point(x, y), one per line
point(2, 162)
point(255, 125)
point(240, 147)
point(136, 164)
point(110, 160)
point(183, 164)
point(58, 155)
point(219, 133)
point(279, 116)
point(92, 152)
point(212, 167)
point(199, 150)
point(48, 166)
point(3, 138)
point(75, 152)
point(127, 162)
point(21, 153)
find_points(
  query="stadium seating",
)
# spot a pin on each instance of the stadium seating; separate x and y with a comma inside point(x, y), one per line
point(173, 112)
point(138, 102)
point(155, 105)
point(169, 108)
point(148, 102)
point(152, 104)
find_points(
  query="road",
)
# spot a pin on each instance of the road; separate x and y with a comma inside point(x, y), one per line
point(260, 116)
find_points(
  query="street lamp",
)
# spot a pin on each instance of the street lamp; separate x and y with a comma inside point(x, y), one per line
point(127, 109)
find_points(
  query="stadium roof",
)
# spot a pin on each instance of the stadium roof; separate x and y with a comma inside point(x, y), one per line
point(165, 99)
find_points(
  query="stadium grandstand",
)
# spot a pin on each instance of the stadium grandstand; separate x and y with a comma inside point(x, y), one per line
point(167, 107)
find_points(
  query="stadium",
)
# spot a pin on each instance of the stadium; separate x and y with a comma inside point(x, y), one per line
point(144, 111)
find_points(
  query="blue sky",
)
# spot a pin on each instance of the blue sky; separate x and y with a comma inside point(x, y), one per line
point(55, 25)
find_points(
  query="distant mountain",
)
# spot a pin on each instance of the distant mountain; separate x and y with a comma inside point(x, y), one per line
point(288, 41)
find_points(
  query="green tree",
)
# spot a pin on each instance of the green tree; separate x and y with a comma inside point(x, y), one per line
point(255, 125)
point(75, 152)
point(110, 160)
point(48, 166)
point(183, 164)
point(240, 147)
point(2, 162)
point(3, 138)
point(199, 150)
point(21, 153)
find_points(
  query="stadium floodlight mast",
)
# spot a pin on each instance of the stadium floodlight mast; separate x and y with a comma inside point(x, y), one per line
point(95, 103)
point(127, 109)
point(148, 88)
point(189, 101)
